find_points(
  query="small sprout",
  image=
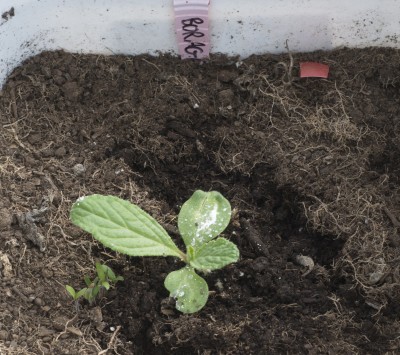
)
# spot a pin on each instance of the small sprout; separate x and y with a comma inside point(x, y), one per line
point(126, 228)
point(75, 295)
point(105, 277)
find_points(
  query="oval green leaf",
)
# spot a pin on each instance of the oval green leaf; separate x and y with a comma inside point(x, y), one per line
point(101, 272)
point(203, 217)
point(71, 291)
point(214, 255)
point(123, 226)
point(189, 289)
point(88, 281)
point(81, 292)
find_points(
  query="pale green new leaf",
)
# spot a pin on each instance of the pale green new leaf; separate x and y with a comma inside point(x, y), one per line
point(122, 226)
point(71, 291)
point(203, 217)
point(189, 289)
point(101, 272)
point(88, 281)
point(80, 293)
point(215, 255)
point(106, 285)
point(109, 273)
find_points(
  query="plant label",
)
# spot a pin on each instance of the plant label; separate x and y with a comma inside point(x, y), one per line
point(191, 24)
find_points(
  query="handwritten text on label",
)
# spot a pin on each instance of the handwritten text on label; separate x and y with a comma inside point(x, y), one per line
point(190, 32)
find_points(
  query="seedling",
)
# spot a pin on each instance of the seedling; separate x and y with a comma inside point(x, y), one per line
point(126, 228)
point(103, 281)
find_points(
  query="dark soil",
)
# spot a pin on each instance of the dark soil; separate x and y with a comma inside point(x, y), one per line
point(311, 167)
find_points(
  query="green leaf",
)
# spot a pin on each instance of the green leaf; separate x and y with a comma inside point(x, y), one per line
point(203, 217)
point(100, 271)
point(88, 281)
point(189, 289)
point(81, 293)
point(88, 294)
point(95, 290)
point(123, 227)
point(109, 273)
point(71, 291)
point(215, 255)
point(106, 285)
point(190, 252)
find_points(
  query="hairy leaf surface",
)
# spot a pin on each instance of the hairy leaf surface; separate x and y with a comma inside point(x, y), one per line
point(122, 226)
point(203, 217)
point(215, 255)
point(189, 289)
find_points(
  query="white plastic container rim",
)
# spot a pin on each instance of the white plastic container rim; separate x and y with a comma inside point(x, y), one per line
point(147, 26)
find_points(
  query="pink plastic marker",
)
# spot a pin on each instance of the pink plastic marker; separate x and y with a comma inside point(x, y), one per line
point(313, 70)
point(191, 23)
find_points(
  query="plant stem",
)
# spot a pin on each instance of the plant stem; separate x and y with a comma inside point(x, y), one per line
point(183, 257)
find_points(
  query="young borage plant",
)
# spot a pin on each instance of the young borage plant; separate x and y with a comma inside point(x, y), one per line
point(126, 228)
